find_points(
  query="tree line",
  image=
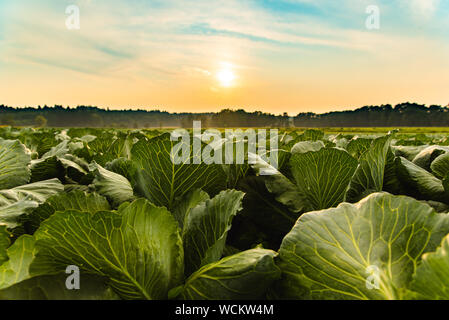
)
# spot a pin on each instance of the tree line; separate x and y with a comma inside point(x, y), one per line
point(402, 115)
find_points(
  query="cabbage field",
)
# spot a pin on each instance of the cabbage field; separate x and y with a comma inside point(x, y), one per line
point(343, 216)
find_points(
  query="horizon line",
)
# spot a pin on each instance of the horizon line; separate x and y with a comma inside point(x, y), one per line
point(107, 109)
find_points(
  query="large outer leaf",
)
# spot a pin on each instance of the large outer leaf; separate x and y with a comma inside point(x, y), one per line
point(20, 255)
point(369, 176)
point(4, 243)
point(121, 166)
point(139, 248)
point(357, 147)
point(431, 280)
point(16, 283)
point(38, 191)
point(245, 275)
point(235, 170)
point(162, 182)
point(63, 167)
point(440, 166)
point(323, 176)
point(391, 179)
point(187, 203)
point(50, 164)
point(11, 215)
point(426, 156)
point(418, 182)
point(109, 146)
point(327, 255)
point(54, 288)
point(113, 186)
point(74, 200)
point(59, 150)
point(280, 186)
point(43, 169)
point(286, 192)
point(307, 146)
point(408, 152)
point(206, 227)
point(76, 168)
point(14, 161)
point(437, 206)
point(21, 200)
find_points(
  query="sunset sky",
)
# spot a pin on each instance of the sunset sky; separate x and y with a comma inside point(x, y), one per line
point(206, 55)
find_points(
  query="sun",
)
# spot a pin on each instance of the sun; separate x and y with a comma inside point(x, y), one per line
point(226, 77)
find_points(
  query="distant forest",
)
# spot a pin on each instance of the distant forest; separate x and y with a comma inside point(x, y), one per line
point(401, 115)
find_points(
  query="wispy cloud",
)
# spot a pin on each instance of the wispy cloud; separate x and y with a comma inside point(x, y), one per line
point(423, 8)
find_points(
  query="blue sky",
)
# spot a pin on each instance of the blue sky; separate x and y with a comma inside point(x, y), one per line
point(283, 55)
